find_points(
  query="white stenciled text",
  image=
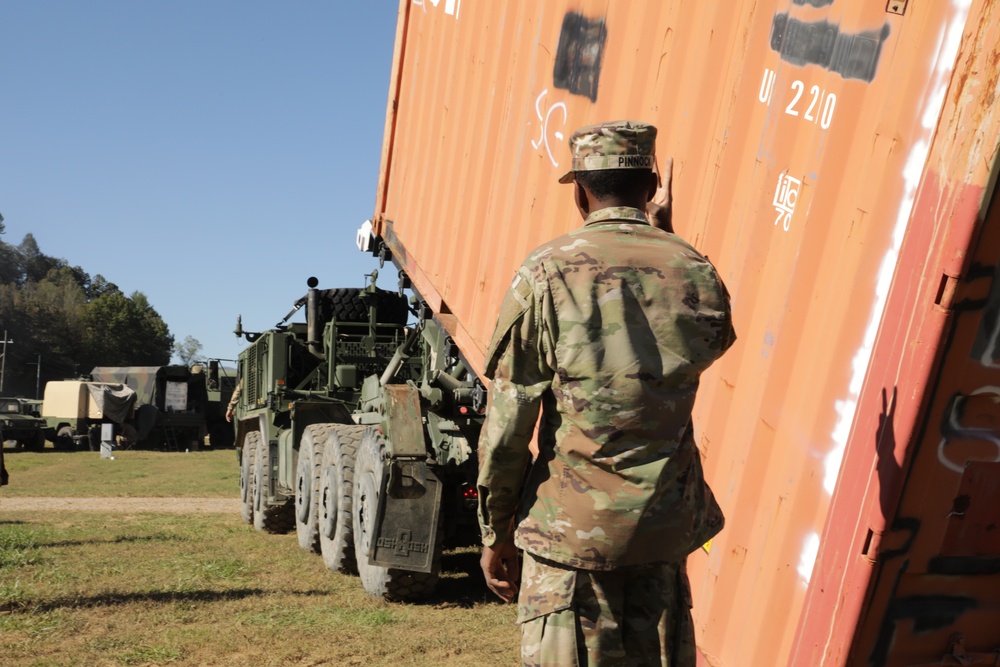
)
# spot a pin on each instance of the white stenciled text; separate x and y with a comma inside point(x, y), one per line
point(786, 194)
point(816, 105)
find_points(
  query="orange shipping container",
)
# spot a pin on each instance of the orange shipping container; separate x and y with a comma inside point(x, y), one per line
point(836, 159)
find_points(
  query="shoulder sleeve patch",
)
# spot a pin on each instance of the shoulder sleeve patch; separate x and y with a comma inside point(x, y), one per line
point(515, 304)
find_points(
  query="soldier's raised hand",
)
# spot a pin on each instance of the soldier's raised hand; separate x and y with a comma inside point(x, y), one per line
point(660, 208)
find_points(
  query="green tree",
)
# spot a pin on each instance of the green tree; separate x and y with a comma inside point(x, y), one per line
point(43, 316)
point(155, 343)
point(123, 331)
point(187, 350)
point(100, 286)
point(65, 323)
point(10, 265)
point(52, 309)
point(35, 265)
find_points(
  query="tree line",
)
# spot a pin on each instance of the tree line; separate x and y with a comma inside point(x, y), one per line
point(63, 322)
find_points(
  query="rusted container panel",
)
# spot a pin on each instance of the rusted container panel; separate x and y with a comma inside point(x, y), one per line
point(924, 446)
point(834, 159)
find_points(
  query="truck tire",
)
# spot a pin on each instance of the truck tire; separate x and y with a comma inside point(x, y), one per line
point(385, 582)
point(248, 456)
point(336, 519)
point(65, 438)
point(273, 518)
point(307, 485)
point(349, 306)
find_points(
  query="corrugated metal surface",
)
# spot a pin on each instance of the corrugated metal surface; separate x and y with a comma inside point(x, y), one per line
point(821, 148)
point(927, 419)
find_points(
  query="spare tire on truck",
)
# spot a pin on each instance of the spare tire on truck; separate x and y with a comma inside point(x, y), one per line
point(348, 305)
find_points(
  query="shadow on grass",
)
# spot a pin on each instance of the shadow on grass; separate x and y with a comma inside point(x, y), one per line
point(48, 450)
point(13, 523)
point(113, 599)
point(123, 539)
point(461, 583)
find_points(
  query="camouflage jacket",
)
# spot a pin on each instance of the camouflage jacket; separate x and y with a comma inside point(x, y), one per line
point(606, 331)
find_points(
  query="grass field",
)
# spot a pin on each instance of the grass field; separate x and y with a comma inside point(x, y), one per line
point(57, 474)
point(86, 588)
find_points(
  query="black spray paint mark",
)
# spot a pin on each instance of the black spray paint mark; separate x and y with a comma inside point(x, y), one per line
point(821, 43)
point(578, 58)
point(986, 349)
point(926, 612)
point(964, 565)
point(815, 3)
point(931, 612)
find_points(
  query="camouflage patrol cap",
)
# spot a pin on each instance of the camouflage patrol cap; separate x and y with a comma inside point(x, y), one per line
point(618, 144)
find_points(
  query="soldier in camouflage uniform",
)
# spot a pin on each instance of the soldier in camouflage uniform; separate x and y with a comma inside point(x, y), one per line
point(234, 400)
point(606, 331)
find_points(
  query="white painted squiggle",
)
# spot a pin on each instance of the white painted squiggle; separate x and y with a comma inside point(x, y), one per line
point(546, 119)
point(949, 40)
point(955, 429)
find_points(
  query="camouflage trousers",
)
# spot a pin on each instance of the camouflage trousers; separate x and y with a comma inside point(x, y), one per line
point(620, 618)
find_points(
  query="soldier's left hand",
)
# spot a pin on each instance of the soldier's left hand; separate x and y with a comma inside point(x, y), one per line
point(502, 569)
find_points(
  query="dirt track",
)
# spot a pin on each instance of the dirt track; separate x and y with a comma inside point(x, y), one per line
point(167, 505)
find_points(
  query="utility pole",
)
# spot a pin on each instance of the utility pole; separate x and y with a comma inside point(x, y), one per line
point(3, 359)
point(38, 373)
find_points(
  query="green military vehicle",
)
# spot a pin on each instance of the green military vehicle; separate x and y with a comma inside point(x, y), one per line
point(358, 430)
point(19, 422)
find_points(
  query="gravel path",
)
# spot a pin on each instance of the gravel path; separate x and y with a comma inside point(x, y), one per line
point(167, 505)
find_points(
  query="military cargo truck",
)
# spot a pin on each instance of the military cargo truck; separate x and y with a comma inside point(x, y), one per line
point(171, 403)
point(357, 428)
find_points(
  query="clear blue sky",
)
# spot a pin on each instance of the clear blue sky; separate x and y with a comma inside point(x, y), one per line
point(210, 154)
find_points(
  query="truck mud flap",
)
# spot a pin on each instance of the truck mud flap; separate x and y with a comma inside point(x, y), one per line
point(406, 526)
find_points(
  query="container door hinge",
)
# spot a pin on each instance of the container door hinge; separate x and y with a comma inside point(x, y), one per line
point(871, 548)
point(896, 7)
point(945, 299)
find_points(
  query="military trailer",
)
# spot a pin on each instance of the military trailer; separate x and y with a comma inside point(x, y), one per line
point(20, 423)
point(75, 410)
point(171, 402)
point(357, 428)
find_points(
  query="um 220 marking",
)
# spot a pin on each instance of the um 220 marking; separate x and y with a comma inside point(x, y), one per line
point(816, 106)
